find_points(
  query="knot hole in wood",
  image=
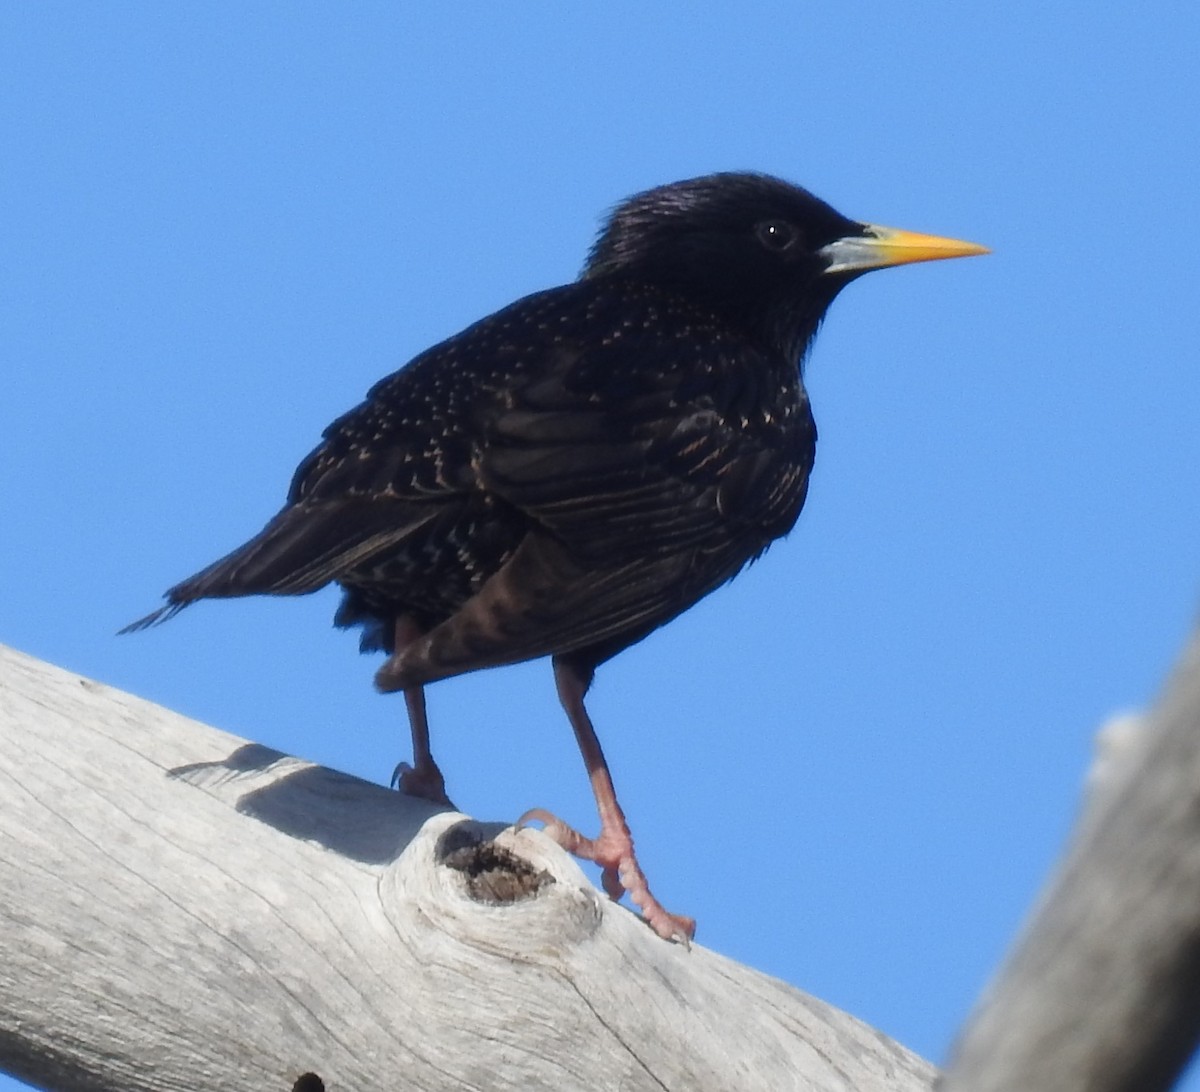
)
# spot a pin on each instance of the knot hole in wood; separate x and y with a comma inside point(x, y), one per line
point(491, 873)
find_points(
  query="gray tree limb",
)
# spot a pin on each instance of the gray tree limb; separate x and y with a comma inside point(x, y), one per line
point(1102, 993)
point(182, 909)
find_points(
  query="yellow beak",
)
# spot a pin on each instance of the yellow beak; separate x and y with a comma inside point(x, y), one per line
point(878, 246)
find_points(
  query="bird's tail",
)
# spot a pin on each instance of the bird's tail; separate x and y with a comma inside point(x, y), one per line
point(301, 550)
point(154, 618)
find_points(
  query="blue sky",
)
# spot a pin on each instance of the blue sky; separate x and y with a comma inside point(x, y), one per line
point(855, 764)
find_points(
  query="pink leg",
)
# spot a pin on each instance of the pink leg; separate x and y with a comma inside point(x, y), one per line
point(612, 848)
point(422, 778)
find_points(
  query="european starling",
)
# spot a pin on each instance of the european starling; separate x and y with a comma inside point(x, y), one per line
point(570, 473)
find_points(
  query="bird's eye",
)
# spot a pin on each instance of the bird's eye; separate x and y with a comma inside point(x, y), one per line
point(777, 234)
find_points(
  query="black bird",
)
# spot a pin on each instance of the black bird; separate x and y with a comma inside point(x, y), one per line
point(570, 473)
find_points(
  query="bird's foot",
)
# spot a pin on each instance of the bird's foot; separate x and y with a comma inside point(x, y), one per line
point(422, 780)
point(612, 850)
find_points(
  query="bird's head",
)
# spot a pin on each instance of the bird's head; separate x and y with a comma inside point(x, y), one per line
point(763, 253)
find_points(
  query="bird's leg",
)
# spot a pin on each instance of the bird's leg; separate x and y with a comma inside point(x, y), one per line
point(422, 778)
point(612, 848)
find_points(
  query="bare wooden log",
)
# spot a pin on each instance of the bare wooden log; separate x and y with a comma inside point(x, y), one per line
point(1102, 994)
point(181, 909)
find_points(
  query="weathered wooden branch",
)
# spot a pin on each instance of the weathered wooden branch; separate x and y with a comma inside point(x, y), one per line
point(181, 909)
point(1102, 994)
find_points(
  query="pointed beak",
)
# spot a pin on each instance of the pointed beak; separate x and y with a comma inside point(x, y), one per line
point(877, 247)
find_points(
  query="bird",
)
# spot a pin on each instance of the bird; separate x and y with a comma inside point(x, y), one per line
point(568, 474)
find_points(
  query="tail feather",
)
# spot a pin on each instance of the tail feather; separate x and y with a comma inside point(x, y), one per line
point(301, 550)
point(154, 618)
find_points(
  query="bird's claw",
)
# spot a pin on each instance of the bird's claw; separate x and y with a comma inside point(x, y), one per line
point(423, 782)
point(620, 873)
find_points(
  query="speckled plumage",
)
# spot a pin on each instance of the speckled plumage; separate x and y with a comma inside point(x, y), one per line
point(640, 441)
point(573, 471)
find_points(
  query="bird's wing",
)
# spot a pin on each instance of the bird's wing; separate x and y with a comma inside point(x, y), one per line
point(623, 459)
point(618, 419)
